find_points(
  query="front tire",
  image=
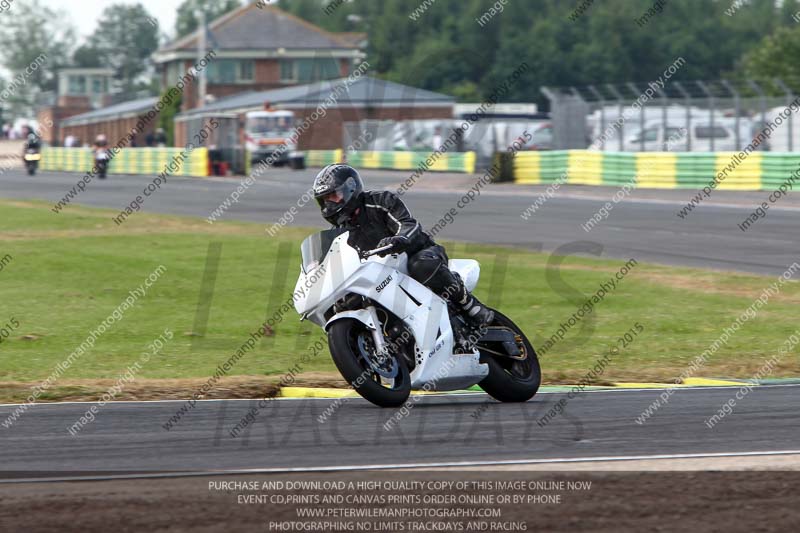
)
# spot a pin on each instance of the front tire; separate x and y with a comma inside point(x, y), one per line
point(511, 380)
point(349, 341)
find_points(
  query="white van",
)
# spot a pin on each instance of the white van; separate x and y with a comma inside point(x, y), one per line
point(677, 139)
point(779, 140)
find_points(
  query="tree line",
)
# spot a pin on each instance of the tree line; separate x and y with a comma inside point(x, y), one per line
point(464, 48)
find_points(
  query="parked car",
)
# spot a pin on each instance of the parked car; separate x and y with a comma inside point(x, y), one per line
point(542, 138)
point(657, 137)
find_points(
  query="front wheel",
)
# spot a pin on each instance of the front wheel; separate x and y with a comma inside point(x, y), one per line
point(385, 383)
point(31, 170)
point(510, 379)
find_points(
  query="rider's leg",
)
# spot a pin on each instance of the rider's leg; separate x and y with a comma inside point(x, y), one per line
point(429, 267)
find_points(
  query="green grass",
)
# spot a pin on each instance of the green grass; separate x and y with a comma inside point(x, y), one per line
point(70, 270)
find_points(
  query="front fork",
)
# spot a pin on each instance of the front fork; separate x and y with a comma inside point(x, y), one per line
point(377, 334)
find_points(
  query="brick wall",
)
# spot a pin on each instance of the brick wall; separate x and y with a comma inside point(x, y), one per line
point(327, 133)
point(114, 130)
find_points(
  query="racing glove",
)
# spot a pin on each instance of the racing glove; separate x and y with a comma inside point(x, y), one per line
point(398, 243)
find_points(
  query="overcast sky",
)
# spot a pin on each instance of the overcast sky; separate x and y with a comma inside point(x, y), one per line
point(84, 13)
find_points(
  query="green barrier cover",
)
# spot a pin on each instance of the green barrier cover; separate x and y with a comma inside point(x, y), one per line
point(665, 169)
point(153, 161)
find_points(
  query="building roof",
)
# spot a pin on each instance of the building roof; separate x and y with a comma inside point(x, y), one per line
point(364, 91)
point(355, 38)
point(81, 70)
point(131, 108)
point(254, 28)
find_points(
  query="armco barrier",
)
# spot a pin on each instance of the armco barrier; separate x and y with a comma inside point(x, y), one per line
point(152, 161)
point(657, 170)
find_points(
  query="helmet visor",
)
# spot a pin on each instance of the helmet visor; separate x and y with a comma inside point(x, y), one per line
point(336, 197)
point(334, 202)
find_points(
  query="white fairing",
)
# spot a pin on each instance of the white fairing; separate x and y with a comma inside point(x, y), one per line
point(468, 269)
point(385, 281)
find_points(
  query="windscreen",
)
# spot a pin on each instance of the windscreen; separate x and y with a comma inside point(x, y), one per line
point(316, 246)
point(269, 125)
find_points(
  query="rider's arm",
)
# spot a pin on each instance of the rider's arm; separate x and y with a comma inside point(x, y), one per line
point(398, 216)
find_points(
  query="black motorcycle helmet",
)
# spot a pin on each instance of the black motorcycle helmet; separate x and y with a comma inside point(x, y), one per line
point(337, 189)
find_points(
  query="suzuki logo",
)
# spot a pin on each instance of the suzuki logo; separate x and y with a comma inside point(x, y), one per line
point(383, 284)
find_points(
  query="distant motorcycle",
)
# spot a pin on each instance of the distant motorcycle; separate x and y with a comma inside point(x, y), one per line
point(389, 334)
point(101, 162)
point(32, 158)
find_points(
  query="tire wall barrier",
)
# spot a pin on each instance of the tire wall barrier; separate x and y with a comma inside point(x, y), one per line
point(656, 170)
point(149, 161)
point(323, 158)
point(447, 162)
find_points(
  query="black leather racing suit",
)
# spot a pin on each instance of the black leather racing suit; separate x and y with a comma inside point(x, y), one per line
point(35, 144)
point(383, 214)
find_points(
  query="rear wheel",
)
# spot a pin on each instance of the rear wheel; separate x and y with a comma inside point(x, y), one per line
point(385, 383)
point(510, 379)
point(31, 170)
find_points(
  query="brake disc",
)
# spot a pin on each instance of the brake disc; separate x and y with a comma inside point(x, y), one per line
point(388, 370)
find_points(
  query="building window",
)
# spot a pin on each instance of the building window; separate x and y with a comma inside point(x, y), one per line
point(247, 70)
point(77, 85)
point(309, 70)
point(231, 71)
point(174, 72)
point(99, 85)
point(287, 71)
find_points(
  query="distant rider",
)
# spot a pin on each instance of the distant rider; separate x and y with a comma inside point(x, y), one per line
point(100, 142)
point(32, 142)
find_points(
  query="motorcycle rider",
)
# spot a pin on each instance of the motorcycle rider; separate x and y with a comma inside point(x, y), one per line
point(100, 142)
point(32, 142)
point(380, 218)
point(100, 145)
point(161, 138)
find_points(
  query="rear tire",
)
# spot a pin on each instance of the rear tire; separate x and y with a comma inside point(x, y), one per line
point(343, 342)
point(510, 380)
point(31, 170)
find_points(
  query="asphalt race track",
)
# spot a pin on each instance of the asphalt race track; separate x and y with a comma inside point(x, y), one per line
point(128, 437)
point(644, 226)
point(125, 471)
point(471, 429)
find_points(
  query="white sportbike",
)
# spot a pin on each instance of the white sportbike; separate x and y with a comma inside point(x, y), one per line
point(389, 334)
